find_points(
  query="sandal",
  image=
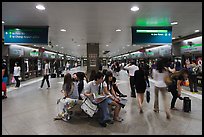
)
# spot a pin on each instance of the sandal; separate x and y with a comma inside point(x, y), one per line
point(118, 119)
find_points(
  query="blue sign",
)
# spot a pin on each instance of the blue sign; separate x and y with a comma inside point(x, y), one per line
point(25, 35)
point(151, 35)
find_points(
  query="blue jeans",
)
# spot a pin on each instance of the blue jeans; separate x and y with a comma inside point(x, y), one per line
point(104, 111)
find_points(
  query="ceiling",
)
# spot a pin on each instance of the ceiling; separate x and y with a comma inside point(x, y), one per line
point(96, 22)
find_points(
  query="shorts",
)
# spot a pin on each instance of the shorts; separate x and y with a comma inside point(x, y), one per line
point(109, 100)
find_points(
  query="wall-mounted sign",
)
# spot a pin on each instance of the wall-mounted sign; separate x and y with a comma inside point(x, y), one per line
point(52, 56)
point(25, 35)
point(192, 48)
point(34, 54)
point(16, 52)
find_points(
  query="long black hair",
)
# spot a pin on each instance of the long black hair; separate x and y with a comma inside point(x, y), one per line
point(108, 74)
point(162, 63)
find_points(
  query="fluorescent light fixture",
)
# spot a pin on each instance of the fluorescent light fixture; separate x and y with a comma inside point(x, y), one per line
point(40, 7)
point(174, 23)
point(63, 30)
point(118, 30)
point(197, 30)
point(17, 29)
point(3, 22)
point(43, 47)
point(134, 8)
point(173, 38)
point(78, 45)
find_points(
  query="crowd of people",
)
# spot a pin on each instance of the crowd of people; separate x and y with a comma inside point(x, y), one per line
point(78, 86)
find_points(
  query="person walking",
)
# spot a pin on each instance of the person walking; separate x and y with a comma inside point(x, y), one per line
point(193, 73)
point(160, 86)
point(131, 67)
point(140, 85)
point(16, 74)
point(46, 75)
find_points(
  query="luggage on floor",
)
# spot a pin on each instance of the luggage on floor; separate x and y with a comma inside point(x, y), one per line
point(53, 75)
point(186, 104)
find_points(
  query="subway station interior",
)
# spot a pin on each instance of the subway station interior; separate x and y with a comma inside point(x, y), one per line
point(55, 39)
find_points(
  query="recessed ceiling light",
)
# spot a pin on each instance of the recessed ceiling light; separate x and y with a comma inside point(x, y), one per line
point(34, 45)
point(62, 47)
point(56, 45)
point(17, 29)
point(128, 45)
point(107, 45)
point(63, 30)
point(148, 45)
point(118, 30)
point(174, 23)
point(78, 45)
point(3, 22)
point(197, 30)
point(40, 7)
point(134, 8)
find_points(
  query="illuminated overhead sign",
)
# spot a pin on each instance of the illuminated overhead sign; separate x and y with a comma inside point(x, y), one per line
point(151, 35)
point(25, 35)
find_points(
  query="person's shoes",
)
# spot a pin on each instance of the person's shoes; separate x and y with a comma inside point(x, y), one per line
point(157, 111)
point(133, 96)
point(181, 98)
point(122, 95)
point(168, 116)
point(109, 121)
point(40, 87)
point(141, 111)
point(3, 97)
point(174, 108)
point(196, 91)
point(58, 101)
point(103, 124)
point(48, 87)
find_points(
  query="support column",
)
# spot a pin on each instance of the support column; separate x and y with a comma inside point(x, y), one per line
point(92, 57)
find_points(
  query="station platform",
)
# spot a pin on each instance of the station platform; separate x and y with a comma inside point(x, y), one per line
point(30, 110)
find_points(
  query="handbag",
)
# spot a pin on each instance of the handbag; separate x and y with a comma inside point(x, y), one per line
point(13, 80)
point(88, 107)
point(148, 96)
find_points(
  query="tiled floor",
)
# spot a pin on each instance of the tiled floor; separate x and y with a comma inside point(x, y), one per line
point(30, 111)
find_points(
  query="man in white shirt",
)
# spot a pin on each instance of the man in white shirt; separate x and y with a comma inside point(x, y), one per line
point(132, 68)
point(92, 89)
point(46, 75)
point(16, 74)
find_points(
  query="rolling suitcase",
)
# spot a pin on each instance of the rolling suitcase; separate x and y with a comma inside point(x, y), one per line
point(186, 104)
point(53, 75)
